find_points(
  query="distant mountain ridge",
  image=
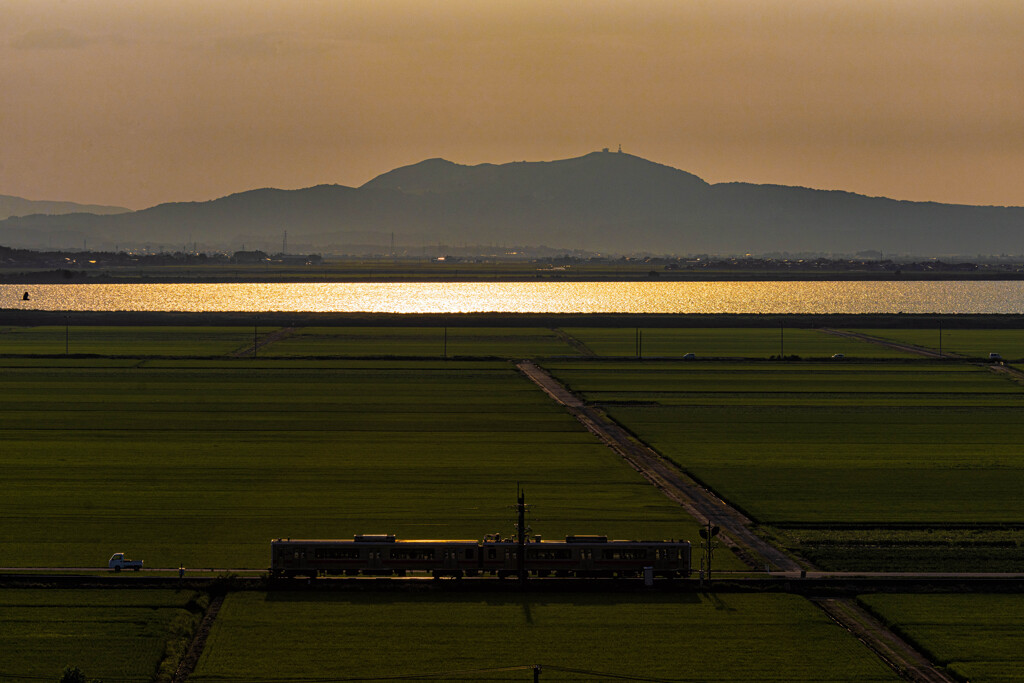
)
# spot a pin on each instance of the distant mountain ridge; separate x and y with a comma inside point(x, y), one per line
point(17, 206)
point(607, 202)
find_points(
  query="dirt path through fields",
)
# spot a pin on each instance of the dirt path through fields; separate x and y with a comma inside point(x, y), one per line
point(268, 339)
point(898, 346)
point(892, 649)
point(702, 504)
point(574, 342)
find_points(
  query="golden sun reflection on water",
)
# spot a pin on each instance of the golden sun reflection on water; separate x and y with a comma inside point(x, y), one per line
point(529, 297)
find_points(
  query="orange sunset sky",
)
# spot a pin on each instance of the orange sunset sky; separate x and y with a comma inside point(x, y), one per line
point(136, 103)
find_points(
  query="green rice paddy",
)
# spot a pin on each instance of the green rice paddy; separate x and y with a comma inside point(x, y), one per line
point(125, 341)
point(473, 637)
point(976, 637)
point(163, 446)
point(114, 635)
point(202, 463)
point(435, 342)
point(879, 444)
point(970, 343)
point(725, 342)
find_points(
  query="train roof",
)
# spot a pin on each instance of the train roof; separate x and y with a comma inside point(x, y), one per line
point(372, 539)
point(364, 538)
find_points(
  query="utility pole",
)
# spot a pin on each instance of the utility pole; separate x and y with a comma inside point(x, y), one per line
point(782, 341)
point(67, 332)
point(708, 533)
point(255, 335)
point(521, 537)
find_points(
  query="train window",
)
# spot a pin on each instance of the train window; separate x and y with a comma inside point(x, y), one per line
point(547, 554)
point(296, 554)
point(469, 553)
point(625, 554)
point(492, 554)
point(412, 554)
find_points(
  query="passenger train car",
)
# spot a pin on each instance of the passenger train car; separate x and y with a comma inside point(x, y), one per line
point(384, 555)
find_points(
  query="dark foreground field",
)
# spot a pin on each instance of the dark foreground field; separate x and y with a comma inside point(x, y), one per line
point(487, 637)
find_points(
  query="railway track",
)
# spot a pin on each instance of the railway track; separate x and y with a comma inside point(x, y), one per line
point(811, 584)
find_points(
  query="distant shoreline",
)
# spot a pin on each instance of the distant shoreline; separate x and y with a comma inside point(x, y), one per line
point(29, 318)
point(84, 277)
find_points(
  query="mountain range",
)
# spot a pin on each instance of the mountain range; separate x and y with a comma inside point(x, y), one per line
point(605, 202)
point(16, 206)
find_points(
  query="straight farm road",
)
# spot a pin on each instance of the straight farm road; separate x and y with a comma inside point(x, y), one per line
point(998, 367)
point(902, 657)
point(897, 346)
point(268, 339)
point(702, 504)
point(892, 649)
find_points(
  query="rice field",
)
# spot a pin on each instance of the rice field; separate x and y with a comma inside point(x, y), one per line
point(970, 343)
point(163, 340)
point(426, 342)
point(113, 635)
point(917, 442)
point(975, 637)
point(473, 637)
point(724, 342)
point(202, 463)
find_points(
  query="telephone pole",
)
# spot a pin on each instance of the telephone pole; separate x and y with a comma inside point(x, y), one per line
point(521, 534)
point(708, 533)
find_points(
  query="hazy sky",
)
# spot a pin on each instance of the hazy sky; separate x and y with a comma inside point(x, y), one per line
point(139, 102)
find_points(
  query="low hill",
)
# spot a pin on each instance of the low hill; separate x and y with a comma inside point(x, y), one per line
point(17, 206)
point(604, 202)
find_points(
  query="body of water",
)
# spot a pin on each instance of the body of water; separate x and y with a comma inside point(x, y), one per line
point(999, 297)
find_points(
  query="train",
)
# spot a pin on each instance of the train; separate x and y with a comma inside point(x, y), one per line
point(386, 555)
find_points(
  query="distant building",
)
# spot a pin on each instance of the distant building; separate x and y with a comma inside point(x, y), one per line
point(249, 256)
